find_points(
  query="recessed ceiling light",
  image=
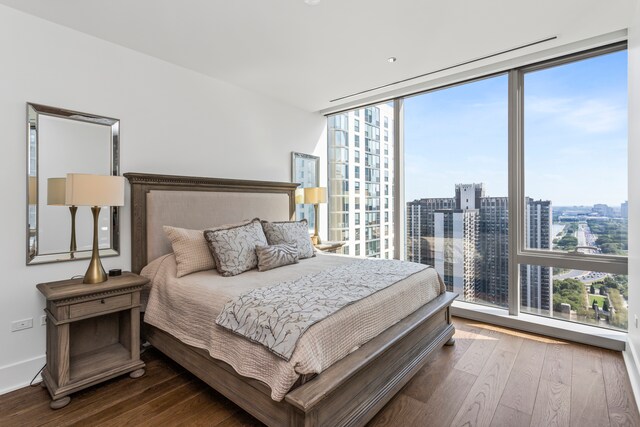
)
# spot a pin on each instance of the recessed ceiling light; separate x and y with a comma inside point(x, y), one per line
point(312, 2)
point(392, 59)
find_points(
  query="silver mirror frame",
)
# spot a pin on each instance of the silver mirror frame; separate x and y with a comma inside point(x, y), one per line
point(34, 111)
point(307, 211)
point(307, 157)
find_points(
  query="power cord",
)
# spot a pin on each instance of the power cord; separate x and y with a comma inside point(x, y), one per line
point(144, 346)
point(31, 384)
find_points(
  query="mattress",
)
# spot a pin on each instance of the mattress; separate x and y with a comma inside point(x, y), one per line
point(187, 308)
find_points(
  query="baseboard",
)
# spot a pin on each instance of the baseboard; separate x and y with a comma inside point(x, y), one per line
point(18, 375)
point(632, 363)
point(555, 328)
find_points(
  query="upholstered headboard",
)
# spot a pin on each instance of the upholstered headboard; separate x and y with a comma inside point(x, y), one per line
point(197, 203)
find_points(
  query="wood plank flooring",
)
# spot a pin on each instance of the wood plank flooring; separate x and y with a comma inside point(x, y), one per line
point(492, 377)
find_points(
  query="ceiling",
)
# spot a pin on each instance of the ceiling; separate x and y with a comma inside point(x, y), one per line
point(308, 55)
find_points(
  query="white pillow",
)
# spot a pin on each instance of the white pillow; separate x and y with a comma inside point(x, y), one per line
point(191, 250)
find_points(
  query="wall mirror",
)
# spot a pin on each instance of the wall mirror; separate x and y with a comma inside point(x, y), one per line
point(305, 170)
point(60, 142)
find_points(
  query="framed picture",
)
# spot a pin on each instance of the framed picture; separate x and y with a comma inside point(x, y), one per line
point(305, 170)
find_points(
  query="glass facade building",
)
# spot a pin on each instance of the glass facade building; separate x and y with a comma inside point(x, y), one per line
point(360, 170)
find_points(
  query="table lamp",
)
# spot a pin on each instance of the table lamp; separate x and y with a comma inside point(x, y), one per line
point(56, 197)
point(95, 191)
point(33, 190)
point(32, 196)
point(315, 196)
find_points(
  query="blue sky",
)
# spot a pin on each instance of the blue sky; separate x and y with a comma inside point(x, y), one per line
point(575, 135)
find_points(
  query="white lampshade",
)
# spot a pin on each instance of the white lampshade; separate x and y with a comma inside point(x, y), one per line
point(314, 195)
point(94, 190)
point(56, 191)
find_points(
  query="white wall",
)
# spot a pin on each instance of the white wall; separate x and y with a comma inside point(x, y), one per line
point(633, 350)
point(172, 121)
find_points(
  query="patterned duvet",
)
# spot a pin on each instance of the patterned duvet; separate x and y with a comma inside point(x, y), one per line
point(187, 308)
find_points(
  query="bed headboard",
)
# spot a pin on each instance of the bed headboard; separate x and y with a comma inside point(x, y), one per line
point(197, 203)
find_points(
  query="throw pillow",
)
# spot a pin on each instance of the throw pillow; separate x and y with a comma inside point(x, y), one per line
point(234, 248)
point(273, 256)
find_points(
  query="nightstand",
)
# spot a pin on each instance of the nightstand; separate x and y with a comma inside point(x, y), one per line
point(329, 246)
point(93, 333)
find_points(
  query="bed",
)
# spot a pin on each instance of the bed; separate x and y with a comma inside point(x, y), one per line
point(349, 391)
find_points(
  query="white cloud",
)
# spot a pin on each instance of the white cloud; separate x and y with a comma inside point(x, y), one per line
point(596, 116)
point(588, 115)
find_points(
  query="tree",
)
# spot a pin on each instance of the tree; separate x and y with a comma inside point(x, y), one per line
point(569, 291)
point(592, 289)
point(605, 305)
point(568, 242)
point(610, 282)
point(618, 311)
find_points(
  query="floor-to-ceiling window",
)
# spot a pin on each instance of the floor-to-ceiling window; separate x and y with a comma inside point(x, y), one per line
point(575, 173)
point(456, 186)
point(515, 186)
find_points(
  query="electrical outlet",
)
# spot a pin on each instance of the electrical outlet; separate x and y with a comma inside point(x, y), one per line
point(43, 320)
point(19, 325)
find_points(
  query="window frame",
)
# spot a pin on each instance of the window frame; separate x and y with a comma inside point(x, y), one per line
point(518, 253)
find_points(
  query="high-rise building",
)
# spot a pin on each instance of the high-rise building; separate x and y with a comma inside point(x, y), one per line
point(536, 293)
point(493, 281)
point(420, 228)
point(468, 196)
point(466, 238)
point(360, 153)
point(455, 245)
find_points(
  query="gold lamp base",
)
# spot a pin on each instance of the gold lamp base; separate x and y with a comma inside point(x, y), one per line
point(95, 273)
point(72, 244)
point(315, 239)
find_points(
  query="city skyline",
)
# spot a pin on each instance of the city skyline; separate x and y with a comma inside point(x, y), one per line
point(596, 203)
point(466, 239)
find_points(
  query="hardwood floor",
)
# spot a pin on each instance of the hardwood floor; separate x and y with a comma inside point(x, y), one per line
point(492, 377)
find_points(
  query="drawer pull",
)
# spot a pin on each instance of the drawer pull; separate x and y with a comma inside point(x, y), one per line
point(101, 301)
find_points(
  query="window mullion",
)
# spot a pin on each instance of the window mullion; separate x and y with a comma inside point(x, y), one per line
point(399, 206)
point(516, 186)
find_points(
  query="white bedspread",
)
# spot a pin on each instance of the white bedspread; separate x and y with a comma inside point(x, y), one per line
point(187, 309)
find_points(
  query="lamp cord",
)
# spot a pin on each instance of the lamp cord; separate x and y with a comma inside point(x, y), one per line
point(31, 384)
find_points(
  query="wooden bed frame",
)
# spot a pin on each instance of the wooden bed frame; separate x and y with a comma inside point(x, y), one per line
point(351, 391)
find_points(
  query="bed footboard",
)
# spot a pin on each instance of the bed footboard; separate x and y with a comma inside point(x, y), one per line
point(350, 392)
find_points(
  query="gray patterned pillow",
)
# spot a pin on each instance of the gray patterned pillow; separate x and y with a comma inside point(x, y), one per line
point(276, 255)
point(234, 248)
point(288, 232)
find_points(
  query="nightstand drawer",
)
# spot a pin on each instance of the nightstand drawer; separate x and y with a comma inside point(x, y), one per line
point(99, 305)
